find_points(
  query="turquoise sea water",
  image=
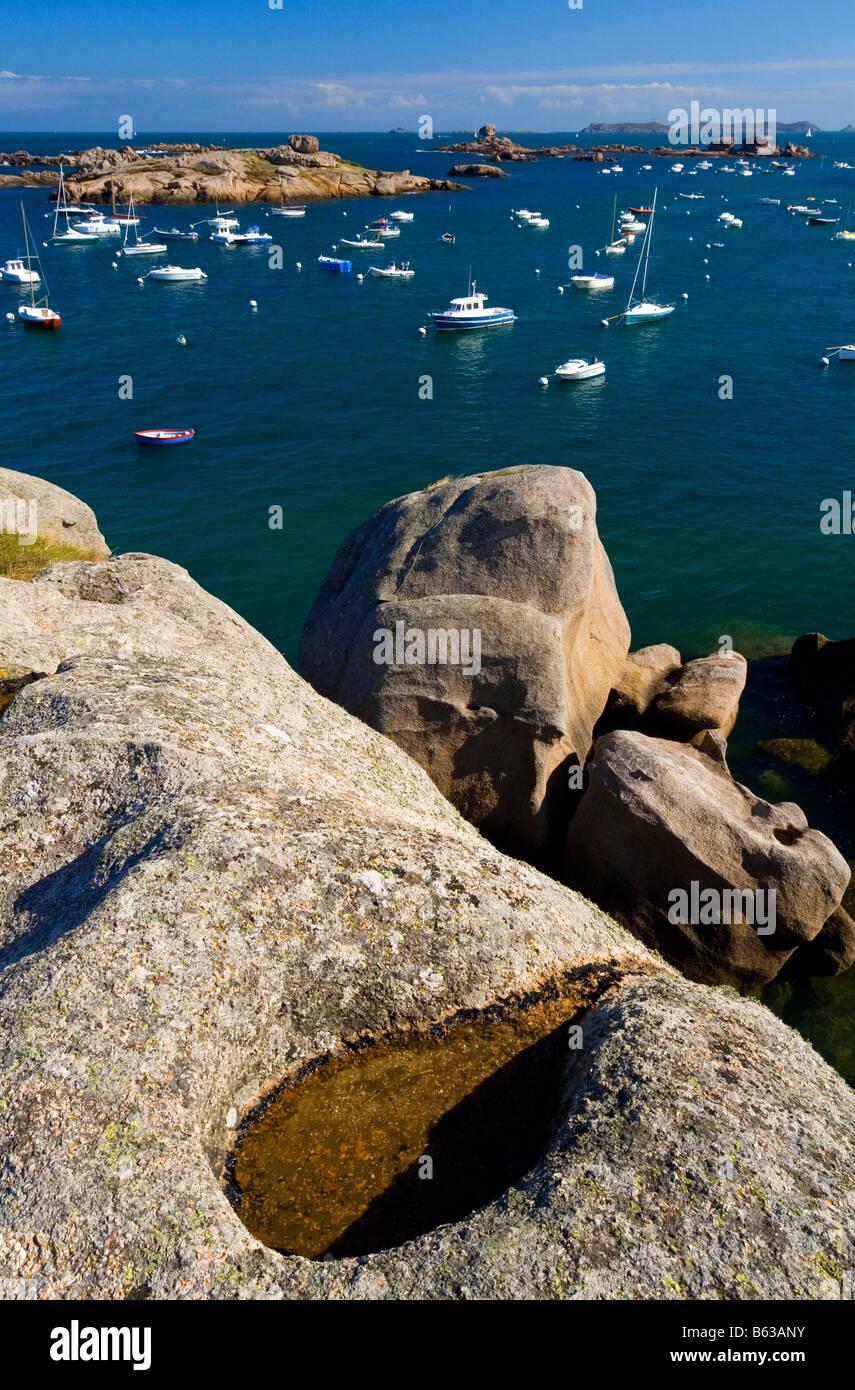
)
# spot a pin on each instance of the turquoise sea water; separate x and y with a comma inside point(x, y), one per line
point(709, 509)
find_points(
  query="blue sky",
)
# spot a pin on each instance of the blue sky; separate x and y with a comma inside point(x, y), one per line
point(371, 64)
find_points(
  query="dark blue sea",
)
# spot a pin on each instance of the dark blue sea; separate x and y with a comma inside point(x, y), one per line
point(708, 508)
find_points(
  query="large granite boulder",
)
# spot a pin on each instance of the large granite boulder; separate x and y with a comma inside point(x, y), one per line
point(512, 562)
point(659, 695)
point(304, 144)
point(209, 876)
point(663, 836)
point(643, 676)
point(43, 510)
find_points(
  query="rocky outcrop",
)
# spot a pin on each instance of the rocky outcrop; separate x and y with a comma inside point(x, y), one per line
point(304, 144)
point(832, 951)
point(643, 675)
point(196, 174)
point(43, 510)
point(662, 838)
point(478, 171)
point(209, 875)
point(509, 561)
point(658, 695)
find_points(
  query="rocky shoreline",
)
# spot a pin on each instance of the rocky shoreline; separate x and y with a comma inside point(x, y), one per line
point(501, 149)
point(296, 171)
point(212, 877)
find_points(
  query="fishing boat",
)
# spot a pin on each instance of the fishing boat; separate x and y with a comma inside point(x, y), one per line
point(393, 272)
point(644, 309)
point(596, 281)
point(38, 313)
point(139, 248)
point(469, 312)
point(163, 436)
point(401, 216)
point(577, 369)
point(18, 273)
point(332, 263)
point(69, 237)
point(175, 234)
point(361, 244)
point(176, 273)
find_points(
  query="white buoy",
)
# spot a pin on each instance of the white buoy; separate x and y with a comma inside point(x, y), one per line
point(253, 304)
point(181, 340)
point(605, 323)
point(537, 272)
point(706, 277)
point(360, 278)
point(709, 248)
point(543, 381)
point(691, 238)
point(422, 331)
point(344, 214)
point(823, 361)
point(140, 280)
point(685, 296)
point(299, 266)
point(10, 318)
point(560, 289)
point(115, 266)
point(706, 260)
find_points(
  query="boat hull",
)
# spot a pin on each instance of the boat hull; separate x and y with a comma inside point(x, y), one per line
point(649, 315)
point(163, 437)
point(452, 323)
point(36, 319)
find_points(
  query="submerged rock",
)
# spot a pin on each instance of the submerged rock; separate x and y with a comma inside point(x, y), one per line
point(510, 562)
point(824, 674)
point(662, 825)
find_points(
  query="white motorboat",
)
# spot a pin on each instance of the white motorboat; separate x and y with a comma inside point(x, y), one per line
point(176, 273)
point(677, 168)
point(647, 167)
point(393, 272)
point(690, 197)
point(469, 312)
point(644, 309)
point(523, 214)
point(18, 273)
point(382, 227)
point(726, 217)
point(286, 211)
point(541, 222)
point(789, 173)
point(68, 237)
point(361, 244)
point(99, 226)
point(175, 234)
point(593, 282)
point(628, 223)
point(734, 222)
point(401, 216)
point(577, 369)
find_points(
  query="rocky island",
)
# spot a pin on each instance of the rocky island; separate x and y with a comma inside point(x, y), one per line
point(216, 882)
point(295, 171)
point(504, 150)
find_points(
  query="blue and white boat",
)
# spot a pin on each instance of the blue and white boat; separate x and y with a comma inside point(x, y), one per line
point(470, 312)
point(332, 263)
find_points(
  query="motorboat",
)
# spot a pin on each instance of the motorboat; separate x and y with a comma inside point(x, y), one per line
point(800, 210)
point(541, 222)
point(401, 216)
point(523, 214)
point(253, 236)
point(99, 225)
point(448, 238)
point(691, 197)
point(469, 312)
point(382, 227)
point(286, 211)
point(631, 224)
point(677, 168)
point(641, 212)
point(163, 436)
point(175, 234)
point(176, 273)
point(577, 369)
point(770, 202)
point(597, 281)
point(361, 244)
point(334, 264)
point(393, 272)
point(18, 273)
point(814, 221)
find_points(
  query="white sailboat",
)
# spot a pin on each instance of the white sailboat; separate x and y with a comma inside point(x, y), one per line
point(38, 313)
point(71, 236)
point(139, 248)
point(644, 309)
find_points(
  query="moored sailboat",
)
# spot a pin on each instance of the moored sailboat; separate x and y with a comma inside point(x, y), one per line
point(645, 309)
point(38, 313)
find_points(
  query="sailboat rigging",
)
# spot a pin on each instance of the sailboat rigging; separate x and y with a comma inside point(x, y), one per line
point(71, 236)
point(139, 248)
point(644, 309)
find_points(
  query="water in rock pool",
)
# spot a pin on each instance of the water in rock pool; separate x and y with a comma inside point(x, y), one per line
point(383, 1144)
point(316, 402)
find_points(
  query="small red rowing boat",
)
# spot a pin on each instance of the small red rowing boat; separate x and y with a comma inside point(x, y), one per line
point(642, 212)
point(163, 436)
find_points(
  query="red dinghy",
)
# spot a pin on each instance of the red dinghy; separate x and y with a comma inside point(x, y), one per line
point(163, 436)
point(642, 212)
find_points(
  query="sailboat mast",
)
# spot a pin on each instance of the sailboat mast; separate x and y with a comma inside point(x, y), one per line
point(647, 241)
point(638, 267)
point(614, 219)
point(27, 248)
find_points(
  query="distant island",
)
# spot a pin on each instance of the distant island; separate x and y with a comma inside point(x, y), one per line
point(501, 149)
point(658, 128)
